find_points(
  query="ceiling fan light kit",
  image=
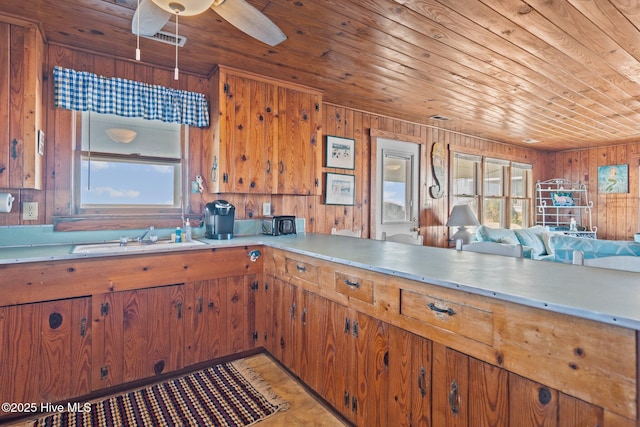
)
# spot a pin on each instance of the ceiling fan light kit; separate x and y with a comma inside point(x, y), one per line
point(186, 8)
point(152, 15)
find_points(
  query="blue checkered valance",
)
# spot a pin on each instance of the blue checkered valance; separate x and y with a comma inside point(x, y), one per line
point(83, 91)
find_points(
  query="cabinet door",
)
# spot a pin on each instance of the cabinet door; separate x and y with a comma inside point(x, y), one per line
point(243, 156)
point(142, 334)
point(299, 144)
point(206, 321)
point(21, 55)
point(409, 399)
point(46, 350)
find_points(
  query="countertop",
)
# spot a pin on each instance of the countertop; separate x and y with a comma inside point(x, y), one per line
point(603, 295)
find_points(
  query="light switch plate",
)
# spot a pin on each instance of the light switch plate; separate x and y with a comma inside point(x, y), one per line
point(266, 209)
point(30, 211)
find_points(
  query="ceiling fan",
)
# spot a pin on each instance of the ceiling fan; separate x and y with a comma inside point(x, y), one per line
point(152, 15)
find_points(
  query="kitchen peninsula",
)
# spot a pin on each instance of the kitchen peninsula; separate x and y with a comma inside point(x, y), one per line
point(380, 330)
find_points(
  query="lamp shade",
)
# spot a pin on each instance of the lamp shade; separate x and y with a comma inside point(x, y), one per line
point(461, 216)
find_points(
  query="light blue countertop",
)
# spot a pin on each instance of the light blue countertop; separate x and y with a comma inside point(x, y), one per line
point(603, 295)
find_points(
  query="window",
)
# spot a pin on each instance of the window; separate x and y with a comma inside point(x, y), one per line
point(466, 174)
point(124, 164)
point(520, 195)
point(494, 193)
point(396, 188)
point(498, 191)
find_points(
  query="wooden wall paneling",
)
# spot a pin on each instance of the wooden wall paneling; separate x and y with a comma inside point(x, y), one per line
point(364, 124)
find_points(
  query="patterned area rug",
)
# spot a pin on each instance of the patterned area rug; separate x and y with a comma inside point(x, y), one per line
point(228, 394)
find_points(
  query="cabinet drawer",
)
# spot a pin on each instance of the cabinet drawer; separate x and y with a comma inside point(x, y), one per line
point(302, 270)
point(447, 312)
point(354, 287)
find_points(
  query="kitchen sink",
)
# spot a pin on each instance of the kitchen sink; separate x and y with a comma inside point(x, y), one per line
point(114, 247)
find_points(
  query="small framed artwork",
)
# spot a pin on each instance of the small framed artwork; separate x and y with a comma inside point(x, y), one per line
point(341, 189)
point(40, 143)
point(341, 152)
point(613, 179)
point(560, 198)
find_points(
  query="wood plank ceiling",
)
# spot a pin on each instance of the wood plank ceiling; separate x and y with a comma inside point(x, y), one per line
point(562, 72)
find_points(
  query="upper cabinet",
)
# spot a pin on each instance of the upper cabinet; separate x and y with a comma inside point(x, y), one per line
point(266, 136)
point(21, 117)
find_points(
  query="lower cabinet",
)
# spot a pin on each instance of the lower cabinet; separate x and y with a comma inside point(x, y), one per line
point(46, 351)
point(147, 332)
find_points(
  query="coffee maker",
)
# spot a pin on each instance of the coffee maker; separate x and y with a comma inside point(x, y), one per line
point(219, 216)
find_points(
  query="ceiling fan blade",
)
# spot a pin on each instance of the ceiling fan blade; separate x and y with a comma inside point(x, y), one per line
point(250, 20)
point(152, 18)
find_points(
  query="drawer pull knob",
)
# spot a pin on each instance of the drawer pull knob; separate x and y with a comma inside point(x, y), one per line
point(449, 311)
point(301, 268)
point(352, 284)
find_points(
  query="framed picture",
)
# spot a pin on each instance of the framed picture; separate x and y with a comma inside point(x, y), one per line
point(613, 179)
point(560, 198)
point(341, 189)
point(341, 152)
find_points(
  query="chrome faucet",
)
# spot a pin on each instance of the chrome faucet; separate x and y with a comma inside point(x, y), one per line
point(152, 238)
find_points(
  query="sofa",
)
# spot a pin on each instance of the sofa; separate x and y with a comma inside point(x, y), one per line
point(563, 247)
point(541, 244)
point(534, 240)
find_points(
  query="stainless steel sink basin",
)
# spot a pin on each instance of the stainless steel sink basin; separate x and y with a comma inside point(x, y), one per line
point(161, 245)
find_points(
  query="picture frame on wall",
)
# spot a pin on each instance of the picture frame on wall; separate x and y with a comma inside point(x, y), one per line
point(341, 152)
point(613, 179)
point(340, 189)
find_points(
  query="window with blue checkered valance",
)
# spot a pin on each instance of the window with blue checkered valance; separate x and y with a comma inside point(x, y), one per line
point(83, 91)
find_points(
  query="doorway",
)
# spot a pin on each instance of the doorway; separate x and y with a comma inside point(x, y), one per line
point(397, 171)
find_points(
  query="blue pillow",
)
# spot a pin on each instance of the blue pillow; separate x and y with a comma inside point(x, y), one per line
point(498, 235)
point(532, 237)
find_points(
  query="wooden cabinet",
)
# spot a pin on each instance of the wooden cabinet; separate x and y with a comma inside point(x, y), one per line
point(128, 343)
point(410, 365)
point(266, 136)
point(21, 116)
point(46, 351)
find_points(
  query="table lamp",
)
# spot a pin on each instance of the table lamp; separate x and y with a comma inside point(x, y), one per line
point(462, 216)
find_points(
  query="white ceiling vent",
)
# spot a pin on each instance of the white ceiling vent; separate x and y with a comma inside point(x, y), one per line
point(439, 118)
point(167, 38)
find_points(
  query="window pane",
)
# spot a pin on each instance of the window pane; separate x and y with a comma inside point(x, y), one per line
point(465, 172)
point(396, 188)
point(151, 138)
point(493, 213)
point(519, 182)
point(493, 179)
point(128, 183)
point(519, 213)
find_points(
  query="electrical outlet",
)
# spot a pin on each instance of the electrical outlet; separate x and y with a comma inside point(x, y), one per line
point(30, 211)
point(266, 209)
